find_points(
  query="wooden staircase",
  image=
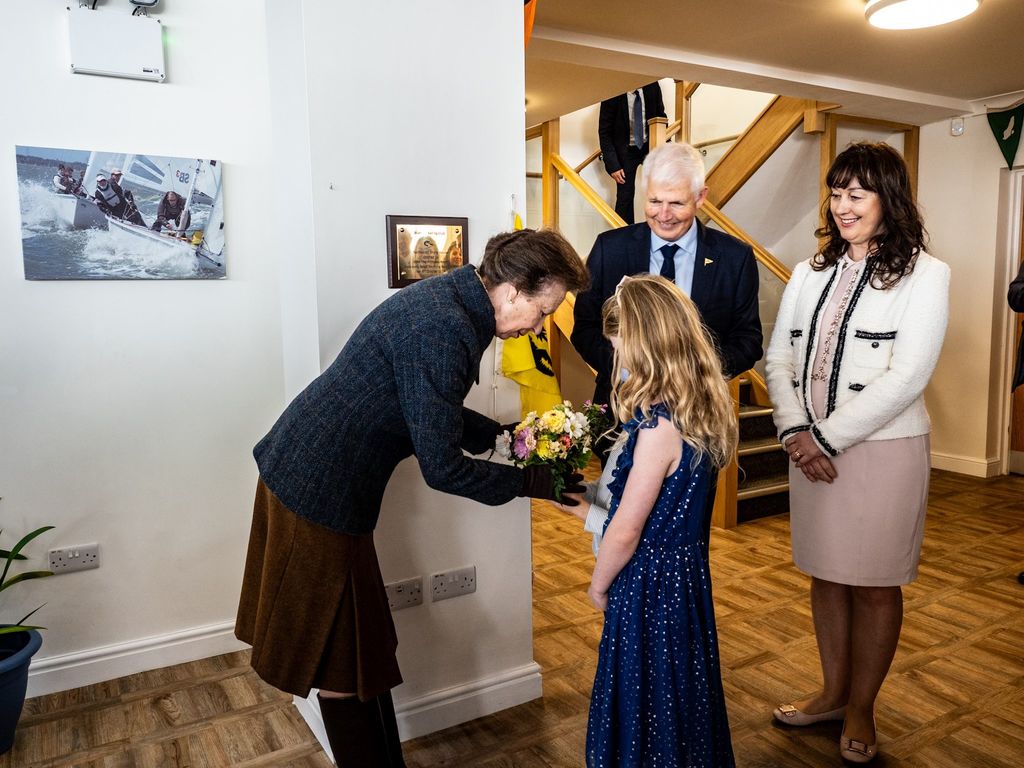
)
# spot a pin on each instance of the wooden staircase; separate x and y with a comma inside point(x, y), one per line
point(763, 466)
point(756, 482)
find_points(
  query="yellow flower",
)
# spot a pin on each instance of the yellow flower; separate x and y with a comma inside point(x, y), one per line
point(547, 449)
point(553, 421)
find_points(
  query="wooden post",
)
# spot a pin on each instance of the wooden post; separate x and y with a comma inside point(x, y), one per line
point(549, 176)
point(683, 110)
point(657, 127)
point(828, 154)
point(724, 513)
point(911, 153)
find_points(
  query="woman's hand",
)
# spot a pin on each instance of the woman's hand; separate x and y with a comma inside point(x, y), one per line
point(581, 508)
point(820, 468)
point(802, 449)
point(806, 454)
point(598, 598)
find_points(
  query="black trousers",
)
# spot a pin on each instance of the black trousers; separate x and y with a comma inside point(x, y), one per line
point(625, 194)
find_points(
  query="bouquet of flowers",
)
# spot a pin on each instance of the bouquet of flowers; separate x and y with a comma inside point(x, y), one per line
point(561, 438)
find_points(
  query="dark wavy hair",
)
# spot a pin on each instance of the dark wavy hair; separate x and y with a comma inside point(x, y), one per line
point(529, 259)
point(892, 253)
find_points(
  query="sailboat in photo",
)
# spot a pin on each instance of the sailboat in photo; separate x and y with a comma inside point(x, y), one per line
point(78, 212)
point(205, 245)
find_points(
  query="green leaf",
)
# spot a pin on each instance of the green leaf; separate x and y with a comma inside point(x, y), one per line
point(24, 577)
point(19, 628)
point(28, 615)
point(13, 554)
point(7, 555)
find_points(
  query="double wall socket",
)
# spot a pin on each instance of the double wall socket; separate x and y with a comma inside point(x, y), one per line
point(453, 583)
point(79, 558)
point(405, 594)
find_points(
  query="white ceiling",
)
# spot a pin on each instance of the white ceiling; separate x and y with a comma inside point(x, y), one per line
point(583, 51)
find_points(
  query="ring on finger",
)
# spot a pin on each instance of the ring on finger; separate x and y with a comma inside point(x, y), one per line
point(797, 455)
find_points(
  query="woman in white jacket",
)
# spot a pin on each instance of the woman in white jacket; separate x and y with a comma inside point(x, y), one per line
point(857, 337)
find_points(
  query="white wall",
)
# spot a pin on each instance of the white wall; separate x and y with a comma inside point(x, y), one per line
point(959, 195)
point(128, 410)
point(442, 137)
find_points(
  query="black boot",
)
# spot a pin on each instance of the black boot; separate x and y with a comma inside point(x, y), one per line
point(362, 734)
point(386, 705)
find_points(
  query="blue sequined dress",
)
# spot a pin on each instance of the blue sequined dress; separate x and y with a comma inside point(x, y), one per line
point(657, 698)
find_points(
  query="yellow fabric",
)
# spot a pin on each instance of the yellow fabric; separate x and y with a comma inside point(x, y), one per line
point(538, 387)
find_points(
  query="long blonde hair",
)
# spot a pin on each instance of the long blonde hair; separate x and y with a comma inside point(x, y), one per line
point(671, 359)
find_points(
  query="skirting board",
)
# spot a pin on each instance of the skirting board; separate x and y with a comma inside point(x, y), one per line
point(451, 706)
point(965, 465)
point(72, 670)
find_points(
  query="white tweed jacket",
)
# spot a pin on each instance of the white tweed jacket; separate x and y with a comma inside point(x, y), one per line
point(885, 351)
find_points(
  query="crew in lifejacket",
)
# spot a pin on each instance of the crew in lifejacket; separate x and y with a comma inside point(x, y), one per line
point(171, 213)
point(65, 183)
point(115, 202)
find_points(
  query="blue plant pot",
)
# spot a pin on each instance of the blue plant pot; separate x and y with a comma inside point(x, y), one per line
point(16, 650)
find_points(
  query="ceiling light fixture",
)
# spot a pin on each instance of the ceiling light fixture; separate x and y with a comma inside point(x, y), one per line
point(916, 14)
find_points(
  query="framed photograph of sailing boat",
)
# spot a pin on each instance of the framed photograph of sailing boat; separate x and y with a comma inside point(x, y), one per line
point(89, 215)
point(423, 246)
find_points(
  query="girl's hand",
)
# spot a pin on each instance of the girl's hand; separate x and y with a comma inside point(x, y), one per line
point(580, 510)
point(598, 598)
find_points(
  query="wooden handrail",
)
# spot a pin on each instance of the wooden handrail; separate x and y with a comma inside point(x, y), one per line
point(593, 156)
point(757, 143)
point(762, 254)
point(588, 193)
point(720, 140)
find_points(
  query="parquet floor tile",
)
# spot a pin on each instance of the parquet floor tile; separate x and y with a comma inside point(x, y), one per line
point(954, 698)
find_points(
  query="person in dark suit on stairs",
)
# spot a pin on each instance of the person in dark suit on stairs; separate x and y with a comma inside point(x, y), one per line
point(622, 131)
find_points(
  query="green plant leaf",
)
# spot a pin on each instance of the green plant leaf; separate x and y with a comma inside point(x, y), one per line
point(28, 615)
point(24, 577)
point(17, 550)
point(7, 555)
point(19, 628)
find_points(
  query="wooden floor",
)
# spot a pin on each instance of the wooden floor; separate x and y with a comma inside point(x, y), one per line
point(954, 699)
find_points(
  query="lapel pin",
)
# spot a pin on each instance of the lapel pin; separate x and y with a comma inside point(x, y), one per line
point(708, 261)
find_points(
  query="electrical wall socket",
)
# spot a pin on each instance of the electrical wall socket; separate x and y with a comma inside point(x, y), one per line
point(405, 594)
point(79, 558)
point(453, 583)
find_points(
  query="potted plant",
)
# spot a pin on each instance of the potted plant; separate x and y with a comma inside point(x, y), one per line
point(18, 643)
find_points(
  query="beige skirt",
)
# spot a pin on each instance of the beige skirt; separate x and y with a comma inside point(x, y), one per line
point(313, 606)
point(866, 528)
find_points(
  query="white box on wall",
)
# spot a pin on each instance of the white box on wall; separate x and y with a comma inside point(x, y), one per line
point(115, 44)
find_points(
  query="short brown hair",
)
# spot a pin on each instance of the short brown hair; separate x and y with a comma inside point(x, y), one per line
point(530, 259)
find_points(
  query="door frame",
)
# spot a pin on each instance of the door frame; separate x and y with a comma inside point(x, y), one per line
point(1008, 258)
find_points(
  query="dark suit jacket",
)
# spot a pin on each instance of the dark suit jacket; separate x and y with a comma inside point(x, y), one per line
point(1016, 298)
point(614, 125)
point(725, 283)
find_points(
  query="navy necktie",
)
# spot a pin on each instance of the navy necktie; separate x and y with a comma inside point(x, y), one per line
point(638, 120)
point(668, 263)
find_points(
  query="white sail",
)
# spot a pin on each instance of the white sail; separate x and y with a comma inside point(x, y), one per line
point(165, 174)
point(101, 162)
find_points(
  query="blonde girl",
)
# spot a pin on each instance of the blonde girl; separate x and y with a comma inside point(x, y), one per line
point(657, 697)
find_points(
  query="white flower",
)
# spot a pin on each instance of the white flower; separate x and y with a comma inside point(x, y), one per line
point(503, 445)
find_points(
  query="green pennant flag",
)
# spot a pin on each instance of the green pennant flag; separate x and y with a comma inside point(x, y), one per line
point(1006, 126)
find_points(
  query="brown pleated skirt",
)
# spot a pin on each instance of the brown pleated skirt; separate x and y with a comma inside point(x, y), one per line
point(313, 606)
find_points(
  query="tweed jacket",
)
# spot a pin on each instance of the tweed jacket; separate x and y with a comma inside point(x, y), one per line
point(395, 390)
point(885, 350)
